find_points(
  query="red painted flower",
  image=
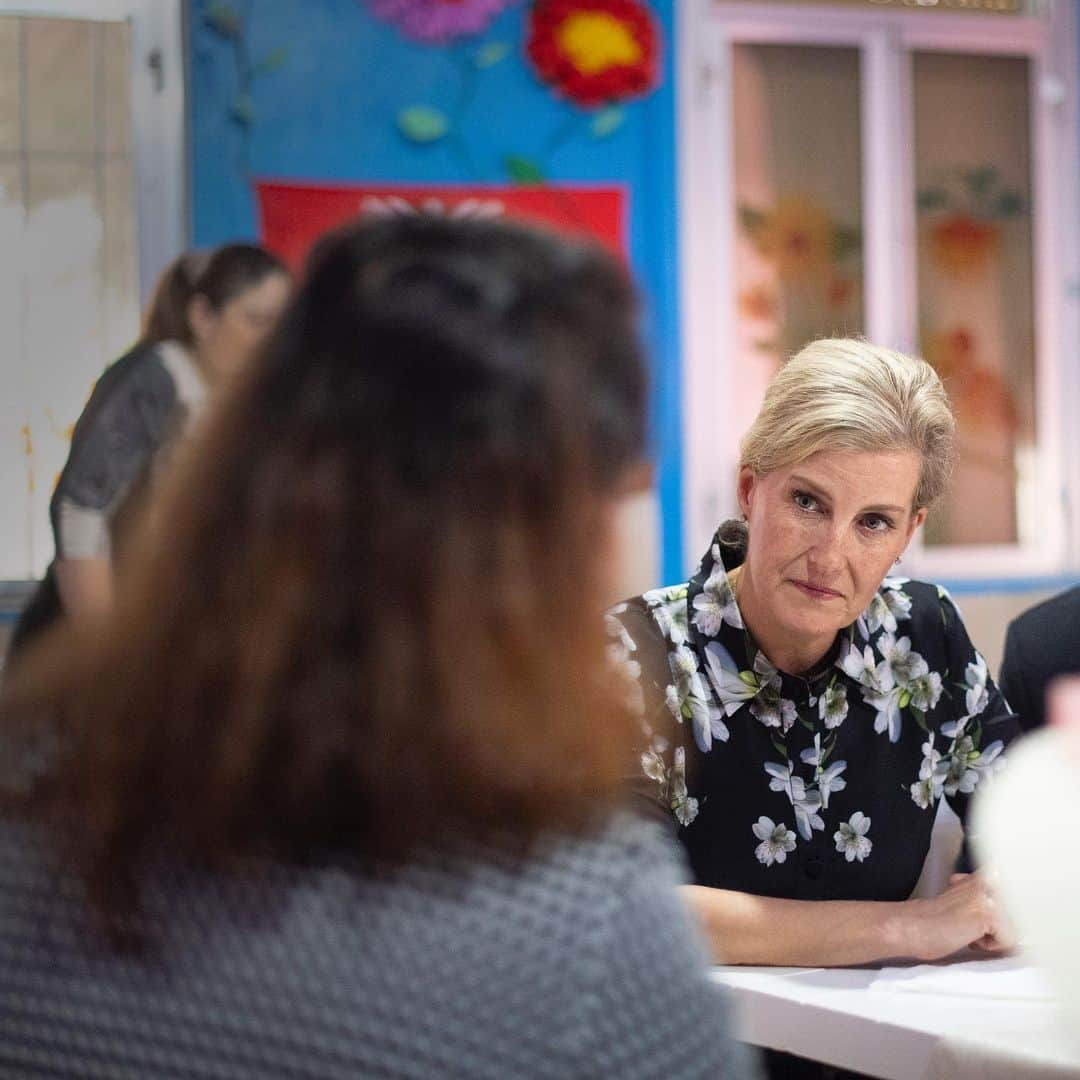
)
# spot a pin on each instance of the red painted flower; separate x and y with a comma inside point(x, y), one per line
point(594, 51)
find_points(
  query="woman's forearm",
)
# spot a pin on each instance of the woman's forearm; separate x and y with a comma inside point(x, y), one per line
point(85, 585)
point(747, 929)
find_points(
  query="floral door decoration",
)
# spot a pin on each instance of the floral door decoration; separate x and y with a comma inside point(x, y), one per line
point(963, 214)
point(816, 272)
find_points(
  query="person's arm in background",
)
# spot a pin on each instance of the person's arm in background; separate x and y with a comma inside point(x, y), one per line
point(121, 427)
point(1017, 678)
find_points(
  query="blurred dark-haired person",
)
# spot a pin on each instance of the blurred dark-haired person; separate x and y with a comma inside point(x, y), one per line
point(334, 791)
point(1041, 645)
point(208, 313)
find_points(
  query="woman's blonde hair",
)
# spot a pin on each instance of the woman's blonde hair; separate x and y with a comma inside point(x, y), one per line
point(847, 394)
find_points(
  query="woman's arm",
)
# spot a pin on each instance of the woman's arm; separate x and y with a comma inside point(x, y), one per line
point(745, 929)
point(85, 585)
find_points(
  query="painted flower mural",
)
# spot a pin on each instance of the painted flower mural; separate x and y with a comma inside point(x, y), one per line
point(594, 52)
point(437, 22)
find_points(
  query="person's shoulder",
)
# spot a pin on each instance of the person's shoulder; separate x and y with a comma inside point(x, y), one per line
point(598, 865)
point(1062, 609)
point(659, 614)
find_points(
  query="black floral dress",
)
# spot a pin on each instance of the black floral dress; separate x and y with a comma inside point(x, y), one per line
point(819, 787)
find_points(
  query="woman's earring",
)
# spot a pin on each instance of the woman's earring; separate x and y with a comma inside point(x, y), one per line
point(897, 563)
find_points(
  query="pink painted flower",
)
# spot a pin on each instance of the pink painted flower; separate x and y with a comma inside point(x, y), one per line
point(436, 22)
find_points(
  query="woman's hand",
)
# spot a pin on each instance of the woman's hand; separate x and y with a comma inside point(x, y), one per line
point(965, 915)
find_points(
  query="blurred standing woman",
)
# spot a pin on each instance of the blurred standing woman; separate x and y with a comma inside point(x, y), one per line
point(806, 712)
point(342, 794)
point(208, 314)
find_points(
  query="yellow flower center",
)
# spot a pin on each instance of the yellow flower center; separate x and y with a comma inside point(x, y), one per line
point(595, 41)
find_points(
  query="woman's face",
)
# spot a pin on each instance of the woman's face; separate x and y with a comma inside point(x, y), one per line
point(823, 534)
point(225, 340)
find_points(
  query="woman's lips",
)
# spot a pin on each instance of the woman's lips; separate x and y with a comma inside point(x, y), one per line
point(816, 592)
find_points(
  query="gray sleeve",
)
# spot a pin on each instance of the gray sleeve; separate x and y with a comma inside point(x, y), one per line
point(113, 443)
point(81, 533)
point(652, 1009)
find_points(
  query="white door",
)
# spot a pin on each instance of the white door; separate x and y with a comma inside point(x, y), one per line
point(91, 208)
point(906, 175)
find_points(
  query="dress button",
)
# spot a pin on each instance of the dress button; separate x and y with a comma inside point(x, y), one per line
point(812, 868)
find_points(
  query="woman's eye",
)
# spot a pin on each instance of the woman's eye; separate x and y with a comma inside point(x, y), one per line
point(804, 501)
point(877, 523)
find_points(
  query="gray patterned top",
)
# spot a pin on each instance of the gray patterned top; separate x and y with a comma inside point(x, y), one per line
point(581, 962)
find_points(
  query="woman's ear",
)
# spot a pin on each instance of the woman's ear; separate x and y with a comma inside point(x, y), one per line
point(916, 520)
point(744, 489)
point(200, 317)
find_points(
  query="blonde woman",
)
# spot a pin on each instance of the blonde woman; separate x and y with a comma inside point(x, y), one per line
point(805, 712)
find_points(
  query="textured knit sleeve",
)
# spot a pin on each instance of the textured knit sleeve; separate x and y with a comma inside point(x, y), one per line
point(651, 1009)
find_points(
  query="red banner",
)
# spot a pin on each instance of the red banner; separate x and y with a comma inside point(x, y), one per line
point(294, 215)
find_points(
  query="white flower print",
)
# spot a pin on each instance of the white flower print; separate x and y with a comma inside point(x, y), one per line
point(805, 802)
point(922, 794)
point(833, 705)
point(851, 838)
point(627, 671)
point(734, 688)
point(776, 841)
point(668, 609)
point(925, 691)
point(683, 806)
point(827, 780)
point(774, 712)
point(906, 665)
point(689, 699)
point(715, 604)
point(978, 697)
point(927, 790)
point(887, 608)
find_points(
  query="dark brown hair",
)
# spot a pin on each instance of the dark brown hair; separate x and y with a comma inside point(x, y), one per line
point(369, 612)
point(165, 318)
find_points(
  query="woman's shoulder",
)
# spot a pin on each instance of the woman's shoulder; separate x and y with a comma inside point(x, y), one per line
point(909, 606)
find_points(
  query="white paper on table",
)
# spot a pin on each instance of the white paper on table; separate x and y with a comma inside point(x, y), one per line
point(1008, 977)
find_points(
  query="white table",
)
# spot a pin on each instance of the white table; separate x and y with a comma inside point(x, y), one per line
point(839, 1017)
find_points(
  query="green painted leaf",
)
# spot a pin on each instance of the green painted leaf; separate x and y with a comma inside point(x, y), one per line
point(523, 170)
point(920, 718)
point(931, 199)
point(492, 53)
point(1009, 204)
point(845, 241)
point(243, 110)
point(223, 19)
point(806, 724)
point(981, 180)
point(607, 121)
point(274, 61)
point(751, 220)
point(422, 124)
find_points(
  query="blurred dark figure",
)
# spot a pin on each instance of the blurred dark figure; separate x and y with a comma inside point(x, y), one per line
point(1040, 645)
point(206, 317)
point(332, 792)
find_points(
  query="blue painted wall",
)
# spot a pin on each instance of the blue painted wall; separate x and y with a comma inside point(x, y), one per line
point(327, 82)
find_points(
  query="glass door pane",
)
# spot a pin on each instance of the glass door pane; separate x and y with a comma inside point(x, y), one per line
point(68, 280)
point(975, 287)
point(798, 190)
